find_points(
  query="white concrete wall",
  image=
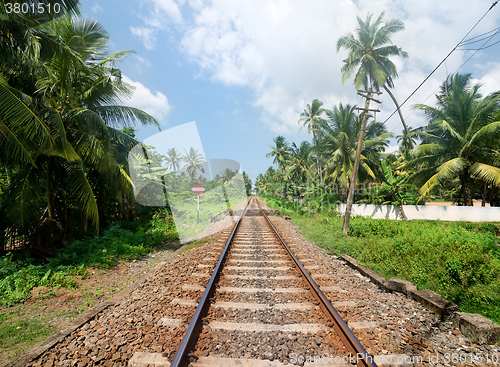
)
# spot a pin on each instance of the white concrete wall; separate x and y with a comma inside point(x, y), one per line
point(448, 213)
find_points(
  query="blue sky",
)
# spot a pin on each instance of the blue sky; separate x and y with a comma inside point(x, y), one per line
point(245, 70)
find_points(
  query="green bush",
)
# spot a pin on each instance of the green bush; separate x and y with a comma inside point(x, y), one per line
point(162, 227)
point(20, 274)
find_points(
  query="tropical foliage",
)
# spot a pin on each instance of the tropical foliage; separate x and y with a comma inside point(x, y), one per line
point(455, 155)
point(60, 110)
point(369, 53)
point(460, 143)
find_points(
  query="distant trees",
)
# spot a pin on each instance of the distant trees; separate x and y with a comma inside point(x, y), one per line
point(279, 152)
point(336, 133)
point(193, 162)
point(458, 150)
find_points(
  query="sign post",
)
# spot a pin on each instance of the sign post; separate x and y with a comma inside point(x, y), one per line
point(198, 189)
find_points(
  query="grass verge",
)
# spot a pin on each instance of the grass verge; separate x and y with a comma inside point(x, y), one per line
point(19, 330)
point(459, 260)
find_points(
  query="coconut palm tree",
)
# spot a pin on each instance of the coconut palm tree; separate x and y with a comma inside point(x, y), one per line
point(193, 162)
point(338, 137)
point(280, 152)
point(300, 162)
point(407, 141)
point(311, 118)
point(23, 45)
point(173, 159)
point(76, 103)
point(369, 53)
point(461, 139)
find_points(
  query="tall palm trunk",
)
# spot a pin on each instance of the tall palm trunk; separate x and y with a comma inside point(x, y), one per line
point(467, 188)
point(485, 192)
point(50, 189)
point(320, 173)
point(399, 111)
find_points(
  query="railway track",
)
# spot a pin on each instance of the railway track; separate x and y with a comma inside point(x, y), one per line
point(263, 299)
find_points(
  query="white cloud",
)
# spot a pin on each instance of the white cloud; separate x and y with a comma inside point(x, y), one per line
point(141, 63)
point(391, 149)
point(162, 13)
point(147, 36)
point(285, 50)
point(490, 82)
point(97, 8)
point(156, 104)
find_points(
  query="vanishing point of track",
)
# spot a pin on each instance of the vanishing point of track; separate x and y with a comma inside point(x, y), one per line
point(257, 273)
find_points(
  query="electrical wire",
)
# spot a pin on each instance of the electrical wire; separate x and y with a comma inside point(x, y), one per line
point(441, 63)
point(479, 49)
point(470, 40)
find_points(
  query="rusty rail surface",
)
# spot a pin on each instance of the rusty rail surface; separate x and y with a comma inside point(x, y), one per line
point(350, 341)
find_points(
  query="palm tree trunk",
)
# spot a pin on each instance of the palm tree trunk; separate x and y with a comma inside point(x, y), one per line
point(468, 190)
point(9, 174)
point(320, 174)
point(485, 192)
point(50, 189)
point(352, 184)
point(399, 111)
point(400, 207)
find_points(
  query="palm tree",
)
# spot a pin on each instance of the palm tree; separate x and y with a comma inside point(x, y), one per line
point(280, 151)
point(338, 138)
point(407, 141)
point(461, 138)
point(173, 159)
point(226, 176)
point(87, 96)
point(193, 162)
point(369, 56)
point(77, 101)
point(300, 162)
point(311, 118)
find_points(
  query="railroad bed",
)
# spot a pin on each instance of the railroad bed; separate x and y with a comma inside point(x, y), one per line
point(258, 293)
point(261, 312)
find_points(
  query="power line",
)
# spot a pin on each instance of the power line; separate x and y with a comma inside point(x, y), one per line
point(479, 49)
point(441, 63)
point(470, 40)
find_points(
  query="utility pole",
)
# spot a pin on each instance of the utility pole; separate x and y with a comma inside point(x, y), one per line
point(352, 185)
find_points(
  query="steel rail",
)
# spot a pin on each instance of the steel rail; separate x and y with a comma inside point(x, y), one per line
point(180, 358)
point(352, 344)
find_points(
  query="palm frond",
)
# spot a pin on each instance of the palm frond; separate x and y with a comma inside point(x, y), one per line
point(82, 192)
point(485, 172)
point(446, 171)
point(124, 116)
point(22, 205)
